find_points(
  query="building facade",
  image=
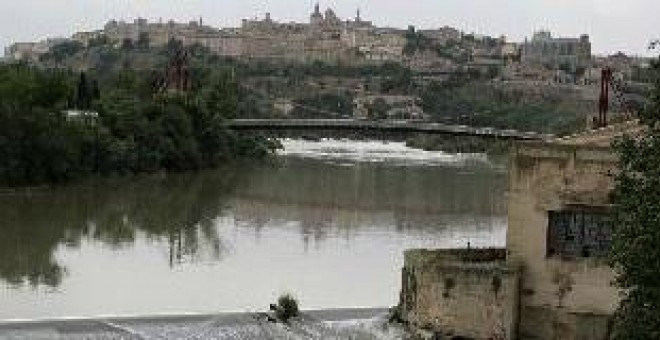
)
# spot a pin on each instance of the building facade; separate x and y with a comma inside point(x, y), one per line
point(325, 38)
point(570, 54)
point(559, 234)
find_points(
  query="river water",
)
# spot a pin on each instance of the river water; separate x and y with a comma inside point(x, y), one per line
point(327, 221)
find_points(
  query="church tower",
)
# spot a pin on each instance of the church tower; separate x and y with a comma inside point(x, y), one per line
point(316, 18)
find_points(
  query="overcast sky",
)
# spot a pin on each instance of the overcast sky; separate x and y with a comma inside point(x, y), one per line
point(614, 25)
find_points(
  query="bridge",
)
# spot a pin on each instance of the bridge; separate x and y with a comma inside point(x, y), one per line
point(384, 127)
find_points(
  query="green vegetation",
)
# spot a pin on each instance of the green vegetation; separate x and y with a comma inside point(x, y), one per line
point(326, 105)
point(463, 144)
point(635, 251)
point(452, 50)
point(62, 51)
point(462, 100)
point(287, 308)
point(133, 132)
point(326, 90)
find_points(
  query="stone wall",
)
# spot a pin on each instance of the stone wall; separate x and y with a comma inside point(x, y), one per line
point(561, 298)
point(462, 293)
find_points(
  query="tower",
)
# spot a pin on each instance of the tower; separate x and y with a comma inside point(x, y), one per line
point(316, 17)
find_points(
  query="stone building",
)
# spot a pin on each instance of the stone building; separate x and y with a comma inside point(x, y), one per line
point(31, 51)
point(325, 38)
point(570, 54)
point(375, 44)
point(394, 107)
point(159, 34)
point(559, 233)
point(443, 35)
point(552, 281)
point(85, 38)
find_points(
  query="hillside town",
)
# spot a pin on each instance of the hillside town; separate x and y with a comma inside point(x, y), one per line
point(559, 71)
point(328, 38)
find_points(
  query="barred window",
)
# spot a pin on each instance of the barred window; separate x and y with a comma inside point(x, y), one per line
point(576, 232)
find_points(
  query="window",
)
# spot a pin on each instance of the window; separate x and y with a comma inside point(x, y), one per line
point(579, 232)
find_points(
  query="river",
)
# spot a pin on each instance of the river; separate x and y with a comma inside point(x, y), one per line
point(327, 221)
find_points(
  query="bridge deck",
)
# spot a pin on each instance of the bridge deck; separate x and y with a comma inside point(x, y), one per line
point(387, 126)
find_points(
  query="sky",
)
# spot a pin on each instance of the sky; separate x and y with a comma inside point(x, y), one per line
point(614, 25)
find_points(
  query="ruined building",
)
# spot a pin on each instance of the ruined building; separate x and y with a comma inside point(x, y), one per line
point(552, 281)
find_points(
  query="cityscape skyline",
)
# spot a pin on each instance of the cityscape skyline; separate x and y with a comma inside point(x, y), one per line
point(614, 27)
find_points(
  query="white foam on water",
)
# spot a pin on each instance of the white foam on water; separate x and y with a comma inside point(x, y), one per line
point(343, 152)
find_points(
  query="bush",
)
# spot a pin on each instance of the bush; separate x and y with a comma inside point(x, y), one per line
point(287, 308)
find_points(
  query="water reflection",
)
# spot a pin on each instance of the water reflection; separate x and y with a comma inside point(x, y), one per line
point(329, 198)
point(332, 229)
point(179, 209)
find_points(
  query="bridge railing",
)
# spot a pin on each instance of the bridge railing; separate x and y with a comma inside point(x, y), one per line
point(397, 125)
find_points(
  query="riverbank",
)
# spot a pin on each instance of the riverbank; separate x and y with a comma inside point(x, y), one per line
point(320, 324)
point(124, 128)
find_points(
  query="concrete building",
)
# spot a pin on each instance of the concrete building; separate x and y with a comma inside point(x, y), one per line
point(552, 281)
point(555, 53)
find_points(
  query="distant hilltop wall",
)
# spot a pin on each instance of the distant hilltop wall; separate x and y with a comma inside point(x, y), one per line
point(325, 38)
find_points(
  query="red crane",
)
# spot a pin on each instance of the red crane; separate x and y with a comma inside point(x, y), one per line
point(177, 74)
point(611, 86)
point(604, 101)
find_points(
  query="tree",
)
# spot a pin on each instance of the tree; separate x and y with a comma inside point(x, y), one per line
point(379, 109)
point(127, 44)
point(136, 131)
point(83, 93)
point(63, 50)
point(143, 41)
point(635, 253)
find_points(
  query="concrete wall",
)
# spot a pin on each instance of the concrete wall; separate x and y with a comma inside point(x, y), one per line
point(467, 293)
point(560, 298)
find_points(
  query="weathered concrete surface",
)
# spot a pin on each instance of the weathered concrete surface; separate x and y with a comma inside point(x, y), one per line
point(560, 298)
point(467, 293)
point(355, 324)
point(541, 294)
